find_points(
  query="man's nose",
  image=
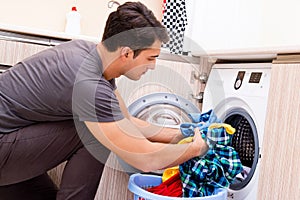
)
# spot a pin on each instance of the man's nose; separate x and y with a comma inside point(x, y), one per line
point(151, 66)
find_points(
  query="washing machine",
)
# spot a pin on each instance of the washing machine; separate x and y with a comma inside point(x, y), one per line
point(238, 94)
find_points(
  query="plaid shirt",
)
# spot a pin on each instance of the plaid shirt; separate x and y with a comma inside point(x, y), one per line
point(200, 176)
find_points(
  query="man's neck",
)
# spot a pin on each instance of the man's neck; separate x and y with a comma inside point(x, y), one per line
point(110, 62)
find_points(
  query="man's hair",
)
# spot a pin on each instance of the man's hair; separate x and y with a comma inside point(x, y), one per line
point(133, 25)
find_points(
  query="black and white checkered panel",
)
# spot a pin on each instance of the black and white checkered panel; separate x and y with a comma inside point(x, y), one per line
point(175, 20)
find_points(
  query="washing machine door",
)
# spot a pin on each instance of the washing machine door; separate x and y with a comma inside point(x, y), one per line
point(163, 109)
point(245, 142)
point(236, 112)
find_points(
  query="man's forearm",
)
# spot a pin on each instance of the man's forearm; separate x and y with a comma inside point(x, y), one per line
point(156, 133)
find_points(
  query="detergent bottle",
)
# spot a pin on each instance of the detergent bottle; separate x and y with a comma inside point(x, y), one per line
point(73, 26)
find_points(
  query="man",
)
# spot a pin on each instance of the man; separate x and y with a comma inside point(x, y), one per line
point(62, 105)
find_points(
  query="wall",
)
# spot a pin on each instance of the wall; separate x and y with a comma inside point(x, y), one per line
point(238, 24)
point(50, 14)
point(216, 24)
point(281, 22)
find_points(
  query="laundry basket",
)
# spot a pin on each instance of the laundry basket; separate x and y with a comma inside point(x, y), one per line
point(137, 183)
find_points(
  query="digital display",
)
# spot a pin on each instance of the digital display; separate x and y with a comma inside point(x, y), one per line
point(255, 77)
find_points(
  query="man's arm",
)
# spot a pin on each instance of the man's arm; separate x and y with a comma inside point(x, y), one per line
point(124, 139)
point(156, 133)
point(153, 132)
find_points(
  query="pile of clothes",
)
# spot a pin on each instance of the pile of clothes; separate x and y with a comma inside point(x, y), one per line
point(201, 176)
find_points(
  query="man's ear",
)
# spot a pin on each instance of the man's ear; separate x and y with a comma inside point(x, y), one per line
point(126, 52)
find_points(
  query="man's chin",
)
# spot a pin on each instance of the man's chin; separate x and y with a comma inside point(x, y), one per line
point(134, 78)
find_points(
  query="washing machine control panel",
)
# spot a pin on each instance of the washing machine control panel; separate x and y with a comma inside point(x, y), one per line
point(255, 77)
point(239, 79)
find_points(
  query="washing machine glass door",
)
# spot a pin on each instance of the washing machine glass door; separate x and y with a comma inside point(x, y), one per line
point(163, 114)
point(245, 142)
point(164, 109)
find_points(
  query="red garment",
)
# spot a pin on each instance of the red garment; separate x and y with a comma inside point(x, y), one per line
point(172, 187)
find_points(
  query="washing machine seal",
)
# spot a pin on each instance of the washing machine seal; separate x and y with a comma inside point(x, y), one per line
point(165, 109)
point(244, 141)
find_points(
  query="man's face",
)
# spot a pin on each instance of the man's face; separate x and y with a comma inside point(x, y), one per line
point(143, 62)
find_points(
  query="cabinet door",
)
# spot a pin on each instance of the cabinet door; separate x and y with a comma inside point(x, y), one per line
point(280, 163)
point(14, 51)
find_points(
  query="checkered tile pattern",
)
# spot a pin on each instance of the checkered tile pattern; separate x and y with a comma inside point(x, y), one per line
point(175, 20)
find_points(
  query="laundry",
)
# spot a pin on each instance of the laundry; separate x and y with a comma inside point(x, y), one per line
point(228, 128)
point(211, 128)
point(243, 175)
point(172, 187)
point(200, 176)
point(169, 172)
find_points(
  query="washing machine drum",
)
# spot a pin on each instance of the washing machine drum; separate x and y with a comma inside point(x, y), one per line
point(245, 142)
point(163, 109)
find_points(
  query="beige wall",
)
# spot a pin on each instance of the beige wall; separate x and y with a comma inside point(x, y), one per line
point(50, 14)
point(281, 22)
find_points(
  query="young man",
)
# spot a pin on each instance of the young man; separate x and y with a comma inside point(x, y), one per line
point(62, 105)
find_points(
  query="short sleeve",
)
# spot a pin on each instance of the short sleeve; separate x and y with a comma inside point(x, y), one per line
point(94, 100)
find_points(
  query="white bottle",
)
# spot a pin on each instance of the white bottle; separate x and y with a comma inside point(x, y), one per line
point(73, 22)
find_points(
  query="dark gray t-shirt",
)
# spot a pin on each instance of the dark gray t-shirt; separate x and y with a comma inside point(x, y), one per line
point(60, 83)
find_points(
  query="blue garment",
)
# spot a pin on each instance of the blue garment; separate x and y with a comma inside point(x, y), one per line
point(202, 121)
point(200, 176)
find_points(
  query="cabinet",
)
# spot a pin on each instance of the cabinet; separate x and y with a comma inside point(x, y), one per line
point(12, 52)
point(280, 163)
point(14, 46)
